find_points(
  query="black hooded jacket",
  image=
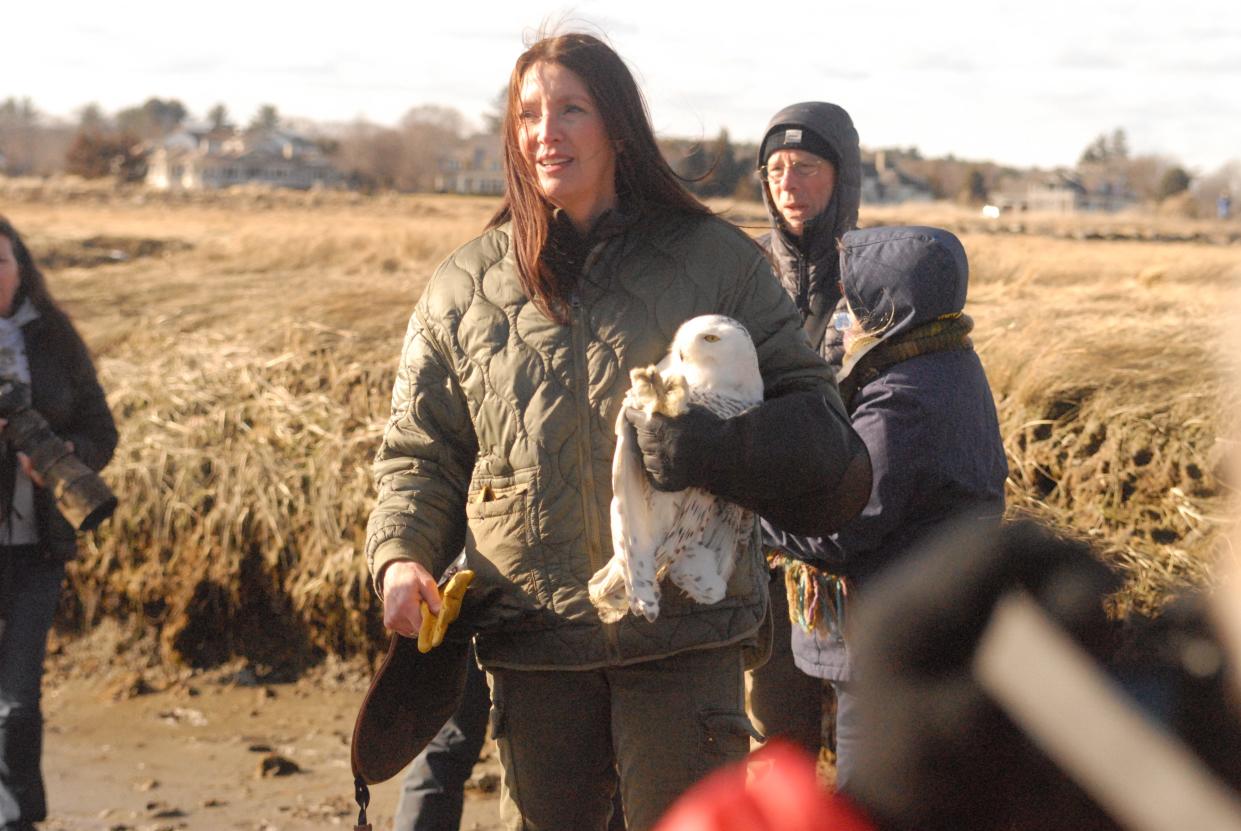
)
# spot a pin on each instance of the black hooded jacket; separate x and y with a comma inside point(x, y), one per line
point(808, 268)
point(66, 392)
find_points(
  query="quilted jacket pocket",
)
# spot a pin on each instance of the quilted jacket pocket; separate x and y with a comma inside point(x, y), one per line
point(497, 511)
point(491, 498)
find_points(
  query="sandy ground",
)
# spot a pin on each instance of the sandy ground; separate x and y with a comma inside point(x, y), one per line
point(192, 755)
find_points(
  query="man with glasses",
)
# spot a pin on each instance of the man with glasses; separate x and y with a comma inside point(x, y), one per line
point(811, 168)
point(810, 164)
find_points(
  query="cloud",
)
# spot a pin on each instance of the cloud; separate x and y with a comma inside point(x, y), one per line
point(276, 66)
point(837, 73)
point(189, 65)
point(1212, 66)
point(1198, 34)
point(942, 62)
point(1088, 59)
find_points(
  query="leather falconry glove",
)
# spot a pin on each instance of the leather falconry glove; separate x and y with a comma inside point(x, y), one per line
point(793, 460)
point(676, 451)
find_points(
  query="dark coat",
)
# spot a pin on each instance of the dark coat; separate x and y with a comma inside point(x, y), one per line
point(929, 422)
point(808, 268)
point(66, 392)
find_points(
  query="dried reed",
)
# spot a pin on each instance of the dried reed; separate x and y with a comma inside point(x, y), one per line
point(248, 342)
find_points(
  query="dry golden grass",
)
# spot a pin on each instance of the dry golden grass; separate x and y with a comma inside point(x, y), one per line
point(1108, 362)
point(249, 340)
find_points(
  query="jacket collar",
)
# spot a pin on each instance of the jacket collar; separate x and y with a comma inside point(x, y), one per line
point(26, 313)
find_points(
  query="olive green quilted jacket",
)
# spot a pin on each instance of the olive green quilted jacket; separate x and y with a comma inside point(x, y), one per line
point(502, 434)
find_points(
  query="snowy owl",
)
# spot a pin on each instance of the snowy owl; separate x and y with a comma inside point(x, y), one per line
point(691, 536)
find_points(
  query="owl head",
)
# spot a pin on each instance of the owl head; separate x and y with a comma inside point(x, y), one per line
point(714, 353)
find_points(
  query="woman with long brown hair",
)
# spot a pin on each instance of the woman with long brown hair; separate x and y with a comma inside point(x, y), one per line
point(41, 351)
point(513, 374)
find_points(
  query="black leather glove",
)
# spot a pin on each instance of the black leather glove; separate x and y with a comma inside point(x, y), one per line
point(676, 452)
point(793, 460)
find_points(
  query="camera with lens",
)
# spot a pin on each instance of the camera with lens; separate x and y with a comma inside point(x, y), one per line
point(83, 498)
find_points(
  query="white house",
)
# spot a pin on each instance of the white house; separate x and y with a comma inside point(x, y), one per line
point(204, 159)
point(475, 166)
point(884, 183)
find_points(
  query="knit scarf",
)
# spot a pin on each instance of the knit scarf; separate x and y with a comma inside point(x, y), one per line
point(946, 334)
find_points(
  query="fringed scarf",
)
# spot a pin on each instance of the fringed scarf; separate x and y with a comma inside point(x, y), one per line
point(815, 597)
point(946, 334)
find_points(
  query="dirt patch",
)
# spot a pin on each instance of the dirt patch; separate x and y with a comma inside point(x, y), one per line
point(208, 752)
point(93, 252)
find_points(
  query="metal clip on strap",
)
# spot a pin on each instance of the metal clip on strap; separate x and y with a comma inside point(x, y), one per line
point(361, 795)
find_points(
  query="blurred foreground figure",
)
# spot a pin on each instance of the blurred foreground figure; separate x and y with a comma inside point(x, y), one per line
point(987, 630)
point(775, 789)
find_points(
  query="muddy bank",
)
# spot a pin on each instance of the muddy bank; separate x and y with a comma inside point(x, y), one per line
point(215, 751)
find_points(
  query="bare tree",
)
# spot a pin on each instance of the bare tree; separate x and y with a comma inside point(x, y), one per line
point(92, 117)
point(427, 133)
point(493, 118)
point(155, 118)
point(217, 116)
point(19, 127)
point(371, 155)
point(266, 118)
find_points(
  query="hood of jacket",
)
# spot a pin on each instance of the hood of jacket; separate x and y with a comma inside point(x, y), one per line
point(808, 267)
point(896, 279)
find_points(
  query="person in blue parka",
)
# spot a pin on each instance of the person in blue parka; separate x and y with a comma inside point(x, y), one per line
point(917, 395)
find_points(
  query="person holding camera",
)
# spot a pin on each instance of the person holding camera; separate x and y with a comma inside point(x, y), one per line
point(46, 367)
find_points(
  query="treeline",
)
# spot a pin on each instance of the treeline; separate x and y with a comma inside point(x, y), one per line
point(373, 156)
point(409, 155)
point(98, 144)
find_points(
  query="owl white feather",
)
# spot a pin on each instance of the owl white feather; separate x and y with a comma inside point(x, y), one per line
point(691, 536)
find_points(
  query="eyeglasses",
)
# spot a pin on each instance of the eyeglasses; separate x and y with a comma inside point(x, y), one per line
point(798, 170)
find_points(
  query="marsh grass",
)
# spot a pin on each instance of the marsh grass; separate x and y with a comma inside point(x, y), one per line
point(248, 343)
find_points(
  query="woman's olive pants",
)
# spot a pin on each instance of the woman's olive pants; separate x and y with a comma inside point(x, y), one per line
point(661, 725)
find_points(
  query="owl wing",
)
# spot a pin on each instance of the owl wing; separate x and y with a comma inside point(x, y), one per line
point(639, 521)
point(723, 528)
point(728, 534)
point(685, 524)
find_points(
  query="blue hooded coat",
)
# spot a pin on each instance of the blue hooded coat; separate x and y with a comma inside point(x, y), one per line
point(920, 401)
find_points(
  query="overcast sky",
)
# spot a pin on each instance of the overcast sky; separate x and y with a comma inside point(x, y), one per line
point(983, 79)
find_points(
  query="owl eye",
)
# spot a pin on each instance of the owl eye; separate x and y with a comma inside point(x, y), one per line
point(710, 338)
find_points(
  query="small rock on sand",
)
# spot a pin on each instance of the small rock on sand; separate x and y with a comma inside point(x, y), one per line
point(275, 765)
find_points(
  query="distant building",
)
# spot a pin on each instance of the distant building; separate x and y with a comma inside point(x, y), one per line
point(1063, 192)
point(475, 166)
point(884, 183)
point(201, 159)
